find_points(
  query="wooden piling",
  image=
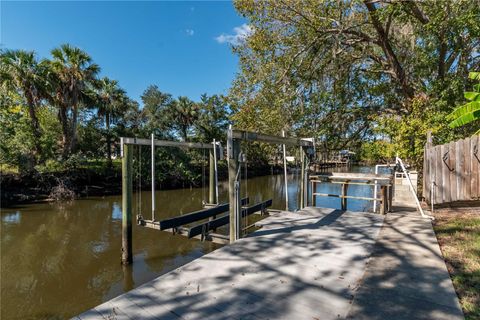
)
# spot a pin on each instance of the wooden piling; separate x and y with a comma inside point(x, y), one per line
point(313, 201)
point(383, 203)
point(302, 179)
point(211, 178)
point(390, 197)
point(233, 148)
point(127, 190)
point(285, 171)
point(344, 195)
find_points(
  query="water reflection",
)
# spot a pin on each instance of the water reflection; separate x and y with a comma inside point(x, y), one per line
point(116, 211)
point(12, 217)
point(58, 260)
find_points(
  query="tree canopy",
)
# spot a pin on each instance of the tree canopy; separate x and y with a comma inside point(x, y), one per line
point(57, 111)
point(372, 75)
point(339, 70)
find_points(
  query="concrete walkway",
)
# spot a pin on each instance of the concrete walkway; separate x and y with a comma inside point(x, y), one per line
point(406, 277)
point(302, 265)
point(313, 264)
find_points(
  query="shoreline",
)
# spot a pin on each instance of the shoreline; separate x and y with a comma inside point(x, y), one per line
point(17, 189)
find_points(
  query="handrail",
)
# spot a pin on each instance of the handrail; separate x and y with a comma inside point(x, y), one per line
point(361, 179)
point(402, 166)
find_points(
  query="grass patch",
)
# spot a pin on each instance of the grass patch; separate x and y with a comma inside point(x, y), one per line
point(458, 233)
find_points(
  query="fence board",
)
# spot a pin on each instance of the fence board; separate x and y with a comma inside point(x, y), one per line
point(426, 174)
point(434, 173)
point(477, 158)
point(438, 175)
point(467, 168)
point(455, 169)
point(452, 172)
point(474, 158)
point(445, 173)
point(459, 169)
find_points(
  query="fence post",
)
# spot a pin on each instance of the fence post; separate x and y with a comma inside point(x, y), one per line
point(127, 190)
point(426, 174)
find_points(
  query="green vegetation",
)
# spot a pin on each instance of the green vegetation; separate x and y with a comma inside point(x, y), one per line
point(458, 232)
point(57, 114)
point(368, 76)
point(356, 73)
point(470, 111)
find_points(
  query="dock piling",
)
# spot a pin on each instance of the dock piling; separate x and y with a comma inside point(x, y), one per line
point(211, 177)
point(233, 148)
point(303, 179)
point(127, 190)
point(344, 196)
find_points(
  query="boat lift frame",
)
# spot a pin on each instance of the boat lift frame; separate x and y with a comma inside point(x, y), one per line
point(235, 207)
point(126, 153)
point(235, 157)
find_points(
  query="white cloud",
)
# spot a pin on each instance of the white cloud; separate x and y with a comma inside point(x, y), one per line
point(190, 32)
point(239, 35)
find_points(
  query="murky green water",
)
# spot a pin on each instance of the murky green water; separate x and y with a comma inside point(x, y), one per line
point(58, 260)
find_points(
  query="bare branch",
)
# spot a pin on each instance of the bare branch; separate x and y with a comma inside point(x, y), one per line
point(417, 12)
point(400, 75)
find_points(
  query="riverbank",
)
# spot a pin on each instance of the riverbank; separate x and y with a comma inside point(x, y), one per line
point(49, 186)
point(458, 233)
point(86, 182)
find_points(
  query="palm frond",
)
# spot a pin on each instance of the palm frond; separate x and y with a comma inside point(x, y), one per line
point(474, 75)
point(464, 109)
point(465, 118)
point(472, 96)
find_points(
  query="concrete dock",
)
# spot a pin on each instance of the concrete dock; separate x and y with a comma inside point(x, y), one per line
point(313, 264)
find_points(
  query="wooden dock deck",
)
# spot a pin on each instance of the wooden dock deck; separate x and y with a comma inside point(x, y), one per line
point(313, 264)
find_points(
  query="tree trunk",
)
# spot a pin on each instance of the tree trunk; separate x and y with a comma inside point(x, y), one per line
point(62, 116)
point(442, 52)
point(73, 141)
point(387, 49)
point(37, 131)
point(184, 133)
point(109, 142)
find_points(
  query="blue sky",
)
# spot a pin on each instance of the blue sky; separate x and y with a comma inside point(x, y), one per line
point(183, 47)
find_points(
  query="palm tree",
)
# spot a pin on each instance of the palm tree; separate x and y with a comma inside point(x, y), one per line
point(112, 102)
point(185, 113)
point(74, 74)
point(20, 71)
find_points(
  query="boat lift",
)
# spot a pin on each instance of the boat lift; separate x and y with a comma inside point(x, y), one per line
point(177, 225)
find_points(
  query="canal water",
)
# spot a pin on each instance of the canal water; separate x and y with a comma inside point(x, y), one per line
point(59, 259)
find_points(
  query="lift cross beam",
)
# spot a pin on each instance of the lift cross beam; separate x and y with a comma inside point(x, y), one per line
point(253, 136)
point(166, 143)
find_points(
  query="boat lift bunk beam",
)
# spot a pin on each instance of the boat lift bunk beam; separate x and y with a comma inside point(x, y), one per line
point(202, 231)
point(205, 227)
point(194, 216)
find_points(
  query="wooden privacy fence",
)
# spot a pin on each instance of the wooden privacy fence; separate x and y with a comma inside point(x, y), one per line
point(454, 170)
